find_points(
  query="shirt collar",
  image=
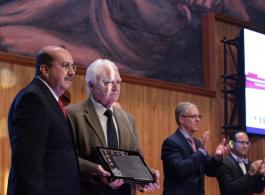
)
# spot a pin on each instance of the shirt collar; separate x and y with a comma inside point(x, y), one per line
point(239, 160)
point(185, 133)
point(51, 90)
point(99, 107)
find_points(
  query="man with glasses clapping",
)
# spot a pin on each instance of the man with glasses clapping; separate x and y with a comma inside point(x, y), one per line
point(185, 158)
point(237, 175)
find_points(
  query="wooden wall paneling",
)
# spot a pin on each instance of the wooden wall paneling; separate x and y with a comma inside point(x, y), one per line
point(152, 107)
point(137, 80)
point(231, 30)
point(217, 27)
point(208, 38)
point(12, 79)
point(78, 89)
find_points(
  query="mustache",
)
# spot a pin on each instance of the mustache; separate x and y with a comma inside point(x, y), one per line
point(69, 78)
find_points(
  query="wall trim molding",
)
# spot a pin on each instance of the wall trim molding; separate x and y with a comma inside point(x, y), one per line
point(29, 61)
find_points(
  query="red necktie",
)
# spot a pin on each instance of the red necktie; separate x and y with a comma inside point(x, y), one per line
point(192, 143)
point(62, 107)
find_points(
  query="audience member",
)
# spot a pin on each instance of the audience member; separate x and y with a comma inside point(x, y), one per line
point(237, 175)
point(185, 158)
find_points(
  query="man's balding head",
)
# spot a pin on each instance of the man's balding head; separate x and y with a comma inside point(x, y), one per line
point(55, 67)
point(47, 55)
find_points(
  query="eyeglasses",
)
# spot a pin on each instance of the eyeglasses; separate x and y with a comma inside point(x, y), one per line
point(193, 116)
point(68, 66)
point(248, 143)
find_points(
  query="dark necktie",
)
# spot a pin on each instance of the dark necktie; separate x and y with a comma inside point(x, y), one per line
point(62, 107)
point(111, 131)
point(192, 143)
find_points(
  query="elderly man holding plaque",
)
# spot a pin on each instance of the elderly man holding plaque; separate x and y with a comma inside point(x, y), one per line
point(97, 123)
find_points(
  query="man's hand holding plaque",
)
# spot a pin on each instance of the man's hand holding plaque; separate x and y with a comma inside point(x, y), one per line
point(122, 166)
point(104, 175)
point(151, 186)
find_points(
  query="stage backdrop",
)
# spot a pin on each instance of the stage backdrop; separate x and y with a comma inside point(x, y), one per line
point(152, 106)
point(152, 39)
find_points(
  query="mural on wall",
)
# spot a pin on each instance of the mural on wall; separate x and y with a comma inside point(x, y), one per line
point(159, 39)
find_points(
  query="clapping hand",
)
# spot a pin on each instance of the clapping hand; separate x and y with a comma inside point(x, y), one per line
point(205, 139)
point(257, 167)
point(222, 148)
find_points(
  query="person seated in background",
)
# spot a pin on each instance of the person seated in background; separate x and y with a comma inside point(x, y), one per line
point(98, 123)
point(237, 175)
point(185, 158)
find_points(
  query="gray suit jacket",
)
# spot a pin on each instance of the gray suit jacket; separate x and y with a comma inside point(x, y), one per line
point(88, 133)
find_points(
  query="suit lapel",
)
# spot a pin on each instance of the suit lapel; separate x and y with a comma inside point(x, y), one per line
point(49, 96)
point(235, 166)
point(92, 118)
point(185, 142)
point(122, 124)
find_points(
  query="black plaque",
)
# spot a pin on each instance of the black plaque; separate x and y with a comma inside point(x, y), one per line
point(125, 164)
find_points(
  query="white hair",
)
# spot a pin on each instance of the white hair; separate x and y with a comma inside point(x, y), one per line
point(95, 69)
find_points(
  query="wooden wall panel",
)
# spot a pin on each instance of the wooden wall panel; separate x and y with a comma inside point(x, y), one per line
point(12, 79)
point(215, 28)
point(152, 107)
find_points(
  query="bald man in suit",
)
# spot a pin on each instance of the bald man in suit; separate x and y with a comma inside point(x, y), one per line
point(44, 161)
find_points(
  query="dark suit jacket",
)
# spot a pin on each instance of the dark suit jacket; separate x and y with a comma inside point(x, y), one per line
point(89, 134)
point(232, 181)
point(43, 156)
point(184, 169)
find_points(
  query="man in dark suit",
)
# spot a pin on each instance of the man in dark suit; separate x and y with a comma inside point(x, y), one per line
point(44, 161)
point(237, 175)
point(185, 158)
point(90, 125)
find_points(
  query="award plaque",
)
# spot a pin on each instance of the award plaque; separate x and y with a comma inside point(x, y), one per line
point(125, 164)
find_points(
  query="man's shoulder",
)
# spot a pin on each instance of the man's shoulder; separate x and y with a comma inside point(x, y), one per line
point(176, 138)
point(229, 161)
point(36, 90)
point(30, 92)
point(76, 107)
point(129, 115)
point(123, 113)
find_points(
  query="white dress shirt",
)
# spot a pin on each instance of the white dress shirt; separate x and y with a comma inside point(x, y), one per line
point(100, 110)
